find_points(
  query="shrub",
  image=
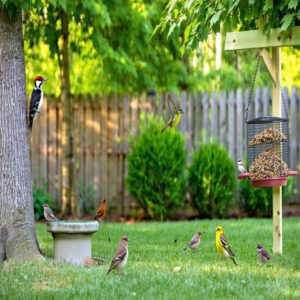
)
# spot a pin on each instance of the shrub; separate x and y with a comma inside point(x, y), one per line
point(211, 180)
point(40, 196)
point(86, 195)
point(156, 169)
point(257, 202)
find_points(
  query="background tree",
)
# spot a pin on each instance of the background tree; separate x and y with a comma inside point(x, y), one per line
point(17, 230)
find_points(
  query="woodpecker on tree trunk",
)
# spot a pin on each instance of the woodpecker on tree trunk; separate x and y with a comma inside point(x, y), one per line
point(36, 100)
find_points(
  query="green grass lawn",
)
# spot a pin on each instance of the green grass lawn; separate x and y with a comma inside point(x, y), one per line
point(153, 255)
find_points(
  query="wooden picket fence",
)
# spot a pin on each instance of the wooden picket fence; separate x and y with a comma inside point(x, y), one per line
point(103, 125)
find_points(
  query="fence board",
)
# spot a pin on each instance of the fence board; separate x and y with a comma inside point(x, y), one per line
point(223, 119)
point(51, 151)
point(197, 120)
point(231, 125)
point(214, 116)
point(206, 117)
point(266, 102)
point(257, 103)
point(239, 125)
point(97, 150)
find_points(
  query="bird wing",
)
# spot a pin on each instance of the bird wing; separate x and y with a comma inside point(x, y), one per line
point(191, 243)
point(51, 214)
point(171, 111)
point(117, 260)
point(34, 104)
point(266, 254)
point(225, 245)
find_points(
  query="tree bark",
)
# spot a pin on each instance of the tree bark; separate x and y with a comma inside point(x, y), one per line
point(68, 164)
point(17, 228)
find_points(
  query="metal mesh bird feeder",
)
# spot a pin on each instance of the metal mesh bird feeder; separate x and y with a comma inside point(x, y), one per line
point(267, 147)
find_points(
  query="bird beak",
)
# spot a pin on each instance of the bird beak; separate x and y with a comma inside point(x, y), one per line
point(45, 79)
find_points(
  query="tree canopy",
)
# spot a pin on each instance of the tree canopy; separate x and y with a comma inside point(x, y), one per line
point(111, 46)
point(199, 18)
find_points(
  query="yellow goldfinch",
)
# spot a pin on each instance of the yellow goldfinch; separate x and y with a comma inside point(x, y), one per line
point(175, 114)
point(222, 245)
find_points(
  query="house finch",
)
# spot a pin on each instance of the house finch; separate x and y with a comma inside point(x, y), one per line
point(121, 256)
point(194, 242)
point(175, 114)
point(262, 253)
point(101, 211)
point(48, 214)
point(222, 245)
point(241, 166)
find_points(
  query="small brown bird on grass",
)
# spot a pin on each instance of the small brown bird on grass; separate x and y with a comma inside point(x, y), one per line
point(121, 256)
point(262, 253)
point(194, 242)
point(101, 211)
point(48, 213)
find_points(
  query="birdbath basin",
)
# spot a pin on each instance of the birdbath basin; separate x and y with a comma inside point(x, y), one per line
point(72, 240)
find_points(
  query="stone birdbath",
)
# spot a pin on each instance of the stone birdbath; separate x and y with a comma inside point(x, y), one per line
point(72, 240)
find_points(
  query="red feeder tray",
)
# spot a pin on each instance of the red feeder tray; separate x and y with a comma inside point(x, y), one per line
point(269, 182)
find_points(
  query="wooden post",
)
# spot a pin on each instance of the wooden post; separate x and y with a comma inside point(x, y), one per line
point(277, 191)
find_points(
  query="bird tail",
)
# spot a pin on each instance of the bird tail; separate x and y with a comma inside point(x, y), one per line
point(110, 269)
point(30, 124)
point(185, 248)
point(232, 258)
point(165, 128)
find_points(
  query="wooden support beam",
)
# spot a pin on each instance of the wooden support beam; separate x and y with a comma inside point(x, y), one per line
point(255, 39)
point(268, 62)
point(277, 191)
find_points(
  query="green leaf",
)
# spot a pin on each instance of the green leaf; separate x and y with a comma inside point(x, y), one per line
point(268, 5)
point(286, 22)
point(293, 4)
point(171, 29)
point(215, 18)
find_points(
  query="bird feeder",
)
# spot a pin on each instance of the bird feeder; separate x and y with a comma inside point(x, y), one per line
point(267, 148)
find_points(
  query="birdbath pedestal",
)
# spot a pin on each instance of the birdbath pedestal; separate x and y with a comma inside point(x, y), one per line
point(72, 240)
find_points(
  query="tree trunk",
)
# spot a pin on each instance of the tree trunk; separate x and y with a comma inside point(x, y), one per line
point(17, 229)
point(68, 172)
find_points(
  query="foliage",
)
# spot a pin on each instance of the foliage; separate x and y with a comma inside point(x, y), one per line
point(156, 169)
point(102, 57)
point(86, 195)
point(211, 180)
point(257, 202)
point(199, 18)
point(41, 196)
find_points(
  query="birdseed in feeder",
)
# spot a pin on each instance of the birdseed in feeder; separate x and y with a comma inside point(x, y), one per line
point(269, 135)
point(268, 164)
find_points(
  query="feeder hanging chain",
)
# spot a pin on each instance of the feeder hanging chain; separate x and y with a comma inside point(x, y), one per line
point(252, 86)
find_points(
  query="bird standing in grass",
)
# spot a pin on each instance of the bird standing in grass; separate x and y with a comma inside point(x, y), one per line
point(48, 213)
point(262, 253)
point(101, 211)
point(175, 114)
point(121, 256)
point(222, 245)
point(194, 242)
